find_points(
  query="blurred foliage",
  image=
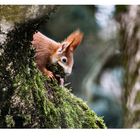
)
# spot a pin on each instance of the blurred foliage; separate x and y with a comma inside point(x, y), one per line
point(30, 100)
point(69, 18)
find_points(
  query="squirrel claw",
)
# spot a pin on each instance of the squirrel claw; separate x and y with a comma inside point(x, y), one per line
point(50, 75)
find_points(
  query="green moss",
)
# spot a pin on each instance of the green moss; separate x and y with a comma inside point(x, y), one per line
point(53, 106)
point(9, 120)
point(67, 111)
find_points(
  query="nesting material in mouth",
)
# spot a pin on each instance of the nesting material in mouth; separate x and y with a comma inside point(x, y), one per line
point(57, 70)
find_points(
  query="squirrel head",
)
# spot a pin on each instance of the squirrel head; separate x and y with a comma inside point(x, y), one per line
point(66, 50)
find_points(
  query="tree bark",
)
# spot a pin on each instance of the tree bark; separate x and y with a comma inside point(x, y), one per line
point(130, 46)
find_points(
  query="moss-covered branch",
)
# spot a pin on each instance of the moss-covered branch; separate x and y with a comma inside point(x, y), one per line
point(29, 100)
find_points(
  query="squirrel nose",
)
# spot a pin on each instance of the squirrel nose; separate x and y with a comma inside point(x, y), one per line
point(68, 71)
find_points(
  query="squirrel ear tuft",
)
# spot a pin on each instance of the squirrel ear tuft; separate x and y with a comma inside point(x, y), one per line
point(63, 47)
point(74, 39)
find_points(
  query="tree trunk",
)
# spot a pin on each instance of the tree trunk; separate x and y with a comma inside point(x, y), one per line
point(130, 45)
point(27, 99)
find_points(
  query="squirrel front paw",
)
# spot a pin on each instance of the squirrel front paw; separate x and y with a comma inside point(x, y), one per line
point(49, 74)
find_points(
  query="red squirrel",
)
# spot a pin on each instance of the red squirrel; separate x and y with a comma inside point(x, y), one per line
point(48, 51)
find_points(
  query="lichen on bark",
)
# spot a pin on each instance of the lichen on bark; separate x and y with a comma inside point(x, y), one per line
point(30, 100)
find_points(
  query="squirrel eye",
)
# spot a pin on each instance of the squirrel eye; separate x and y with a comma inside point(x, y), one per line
point(64, 60)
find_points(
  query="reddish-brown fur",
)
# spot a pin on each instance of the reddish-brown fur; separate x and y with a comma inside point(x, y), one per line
point(47, 51)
